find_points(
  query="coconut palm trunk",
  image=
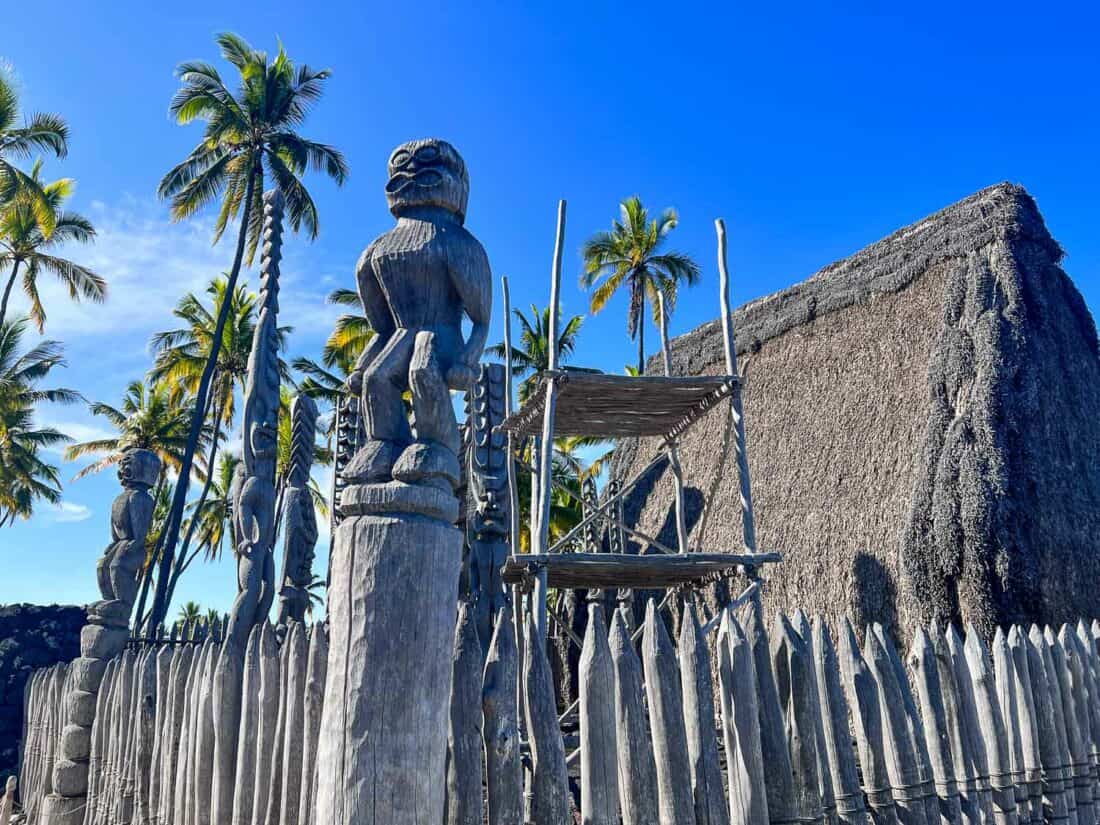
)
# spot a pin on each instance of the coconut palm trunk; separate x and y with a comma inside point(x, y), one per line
point(175, 516)
point(7, 291)
point(641, 336)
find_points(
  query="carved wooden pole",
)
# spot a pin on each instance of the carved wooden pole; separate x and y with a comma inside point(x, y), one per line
point(397, 554)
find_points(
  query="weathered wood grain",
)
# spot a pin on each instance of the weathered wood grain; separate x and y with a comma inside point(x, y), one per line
point(711, 807)
point(503, 779)
point(637, 771)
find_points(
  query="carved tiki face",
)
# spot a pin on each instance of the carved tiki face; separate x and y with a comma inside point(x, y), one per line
point(427, 172)
point(139, 469)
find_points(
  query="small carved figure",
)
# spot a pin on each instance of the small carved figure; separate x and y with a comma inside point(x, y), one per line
point(131, 517)
point(415, 283)
point(299, 518)
point(488, 522)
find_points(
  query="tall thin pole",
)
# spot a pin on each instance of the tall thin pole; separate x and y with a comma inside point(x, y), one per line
point(546, 453)
point(673, 450)
point(748, 521)
point(513, 529)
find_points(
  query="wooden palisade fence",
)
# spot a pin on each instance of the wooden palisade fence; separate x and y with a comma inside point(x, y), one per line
point(153, 743)
point(732, 724)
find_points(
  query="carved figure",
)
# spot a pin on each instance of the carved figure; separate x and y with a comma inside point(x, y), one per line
point(254, 515)
point(415, 283)
point(488, 521)
point(131, 516)
point(299, 518)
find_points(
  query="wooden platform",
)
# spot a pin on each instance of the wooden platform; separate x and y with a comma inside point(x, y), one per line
point(583, 570)
point(624, 406)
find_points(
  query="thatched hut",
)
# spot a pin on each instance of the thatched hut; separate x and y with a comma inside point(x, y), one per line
point(922, 429)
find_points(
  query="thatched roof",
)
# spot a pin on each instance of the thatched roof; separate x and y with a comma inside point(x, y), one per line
point(922, 429)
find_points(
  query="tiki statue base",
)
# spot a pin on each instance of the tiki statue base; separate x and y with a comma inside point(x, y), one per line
point(391, 617)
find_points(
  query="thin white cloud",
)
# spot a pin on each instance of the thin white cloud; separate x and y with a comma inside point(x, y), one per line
point(67, 512)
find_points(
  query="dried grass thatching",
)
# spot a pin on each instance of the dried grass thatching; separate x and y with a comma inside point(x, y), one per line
point(922, 429)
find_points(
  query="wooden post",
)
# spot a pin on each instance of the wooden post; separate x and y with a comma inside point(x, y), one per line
point(672, 449)
point(166, 656)
point(779, 778)
point(637, 770)
point(991, 723)
point(546, 454)
point(1056, 781)
point(1086, 650)
point(711, 807)
point(863, 696)
point(819, 710)
point(599, 773)
point(8, 801)
point(464, 738)
point(245, 778)
point(666, 721)
point(926, 676)
point(316, 676)
point(748, 520)
point(271, 681)
point(1029, 729)
point(294, 730)
point(1075, 696)
point(1004, 674)
point(513, 527)
point(550, 779)
point(791, 666)
point(504, 781)
point(838, 742)
point(741, 725)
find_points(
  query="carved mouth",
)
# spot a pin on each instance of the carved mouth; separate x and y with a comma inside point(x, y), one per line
point(424, 178)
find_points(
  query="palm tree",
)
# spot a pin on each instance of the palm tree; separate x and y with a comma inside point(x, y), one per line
point(352, 332)
point(148, 418)
point(248, 136)
point(190, 613)
point(25, 241)
point(24, 476)
point(630, 255)
point(315, 588)
point(42, 133)
point(533, 355)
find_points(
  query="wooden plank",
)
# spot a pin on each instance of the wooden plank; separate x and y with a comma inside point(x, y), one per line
point(316, 677)
point(711, 807)
point(609, 570)
point(501, 728)
point(666, 722)
point(636, 769)
point(550, 778)
point(245, 779)
point(1075, 696)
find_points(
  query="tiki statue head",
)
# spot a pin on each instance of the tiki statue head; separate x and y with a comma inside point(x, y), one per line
point(139, 469)
point(427, 172)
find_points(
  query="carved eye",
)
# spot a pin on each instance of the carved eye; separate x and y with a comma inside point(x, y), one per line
point(399, 159)
point(427, 154)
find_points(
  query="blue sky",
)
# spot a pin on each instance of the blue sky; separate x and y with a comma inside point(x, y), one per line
point(812, 130)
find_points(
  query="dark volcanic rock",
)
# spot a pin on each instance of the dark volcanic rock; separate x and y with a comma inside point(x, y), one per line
point(31, 637)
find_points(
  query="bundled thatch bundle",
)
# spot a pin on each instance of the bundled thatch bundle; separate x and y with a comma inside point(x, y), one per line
point(922, 429)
